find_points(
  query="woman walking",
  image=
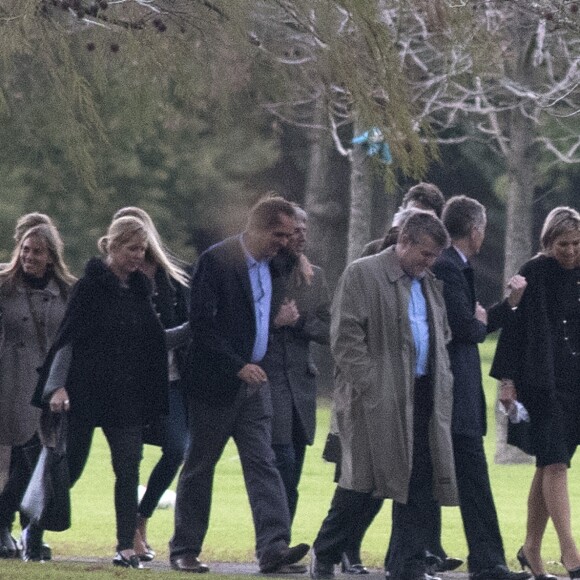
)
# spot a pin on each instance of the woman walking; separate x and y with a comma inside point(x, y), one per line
point(108, 368)
point(34, 288)
point(170, 282)
point(538, 363)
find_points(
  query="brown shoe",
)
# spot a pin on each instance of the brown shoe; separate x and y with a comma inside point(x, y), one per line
point(188, 563)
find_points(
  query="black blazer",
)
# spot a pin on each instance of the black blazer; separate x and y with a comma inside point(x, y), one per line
point(222, 321)
point(469, 413)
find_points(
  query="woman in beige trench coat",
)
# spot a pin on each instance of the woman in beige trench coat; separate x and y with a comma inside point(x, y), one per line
point(34, 288)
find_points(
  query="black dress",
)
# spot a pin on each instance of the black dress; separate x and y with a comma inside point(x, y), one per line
point(540, 351)
point(558, 433)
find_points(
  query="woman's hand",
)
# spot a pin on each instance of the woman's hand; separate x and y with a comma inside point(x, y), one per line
point(59, 401)
point(507, 393)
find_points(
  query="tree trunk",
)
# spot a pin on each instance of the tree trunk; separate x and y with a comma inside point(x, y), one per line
point(520, 199)
point(326, 215)
point(326, 236)
point(359, 229)
point(518, 239)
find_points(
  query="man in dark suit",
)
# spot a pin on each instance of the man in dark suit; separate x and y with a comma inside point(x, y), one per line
point(465, 220)
point(234, 289)
point(303, 318)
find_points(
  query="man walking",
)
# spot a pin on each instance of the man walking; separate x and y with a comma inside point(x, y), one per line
point(234, 289)
point(303, 318)
point(465, 220)
point(392, 396)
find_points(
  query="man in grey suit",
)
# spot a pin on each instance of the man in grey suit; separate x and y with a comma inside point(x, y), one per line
point(234, 289)
point(303, 318)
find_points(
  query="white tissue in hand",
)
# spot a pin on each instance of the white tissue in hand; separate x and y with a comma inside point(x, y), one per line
point(516, 412)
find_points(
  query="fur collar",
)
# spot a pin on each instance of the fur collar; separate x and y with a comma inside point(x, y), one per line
point(97, 272)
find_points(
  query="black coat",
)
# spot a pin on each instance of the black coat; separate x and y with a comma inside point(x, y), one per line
point(118, 371)
point(524, 351)
point(222, 321)
point(170, 301)
point(288, 362)
point(469, 412)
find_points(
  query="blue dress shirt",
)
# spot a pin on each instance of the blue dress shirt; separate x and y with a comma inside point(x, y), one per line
point(261, 283)
point(419, 327)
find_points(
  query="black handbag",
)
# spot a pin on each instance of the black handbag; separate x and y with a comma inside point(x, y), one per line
point(46, 501)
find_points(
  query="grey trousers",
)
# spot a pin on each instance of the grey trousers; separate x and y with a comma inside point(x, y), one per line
point(248, 421)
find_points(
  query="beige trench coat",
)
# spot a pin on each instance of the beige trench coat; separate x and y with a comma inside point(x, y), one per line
point(374, 351)
point(21, 356)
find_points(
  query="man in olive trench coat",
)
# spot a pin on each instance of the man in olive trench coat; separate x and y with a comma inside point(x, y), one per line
point(393, 397)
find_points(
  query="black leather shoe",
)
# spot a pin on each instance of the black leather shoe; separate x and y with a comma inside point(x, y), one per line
point(188, 563)
point(524, 563)
point(499, 572)
point(320, 570)
point(127, 562)
point(8, 547)
point(437, 564)
point(285, 557)
point(349, 567)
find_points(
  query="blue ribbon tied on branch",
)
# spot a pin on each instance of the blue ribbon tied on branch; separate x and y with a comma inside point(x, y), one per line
point(374, 143)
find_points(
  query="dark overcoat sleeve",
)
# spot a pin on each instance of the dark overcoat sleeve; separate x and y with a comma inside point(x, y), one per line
point(460, 308)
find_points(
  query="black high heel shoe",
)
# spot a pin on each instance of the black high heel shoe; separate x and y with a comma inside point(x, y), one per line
point(574, 573)
point(127, 562)
point(523, 560)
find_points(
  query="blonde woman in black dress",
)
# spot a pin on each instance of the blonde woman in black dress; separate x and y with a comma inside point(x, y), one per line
point(538, 363)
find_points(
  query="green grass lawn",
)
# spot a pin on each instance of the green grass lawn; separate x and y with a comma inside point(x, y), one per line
point(231, 536)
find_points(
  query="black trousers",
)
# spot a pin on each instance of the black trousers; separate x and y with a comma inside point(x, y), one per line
point(290, 461)
point(23, 459)
point(412, 522)
point(126, 445)
point(351, 511)
point(476, 503)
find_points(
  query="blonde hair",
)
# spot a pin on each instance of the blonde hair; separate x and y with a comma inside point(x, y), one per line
point(48, 233)
point(560, 220)
point(29, 220)
point(120, 232)
point(156, 252)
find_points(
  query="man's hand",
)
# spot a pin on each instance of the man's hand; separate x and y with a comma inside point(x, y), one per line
point(516, 285)
point(252, 374)
point(481, 313)
point(288, 314)
point(59, 401)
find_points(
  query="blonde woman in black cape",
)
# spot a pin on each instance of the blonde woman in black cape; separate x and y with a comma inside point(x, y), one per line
point(108, 368)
